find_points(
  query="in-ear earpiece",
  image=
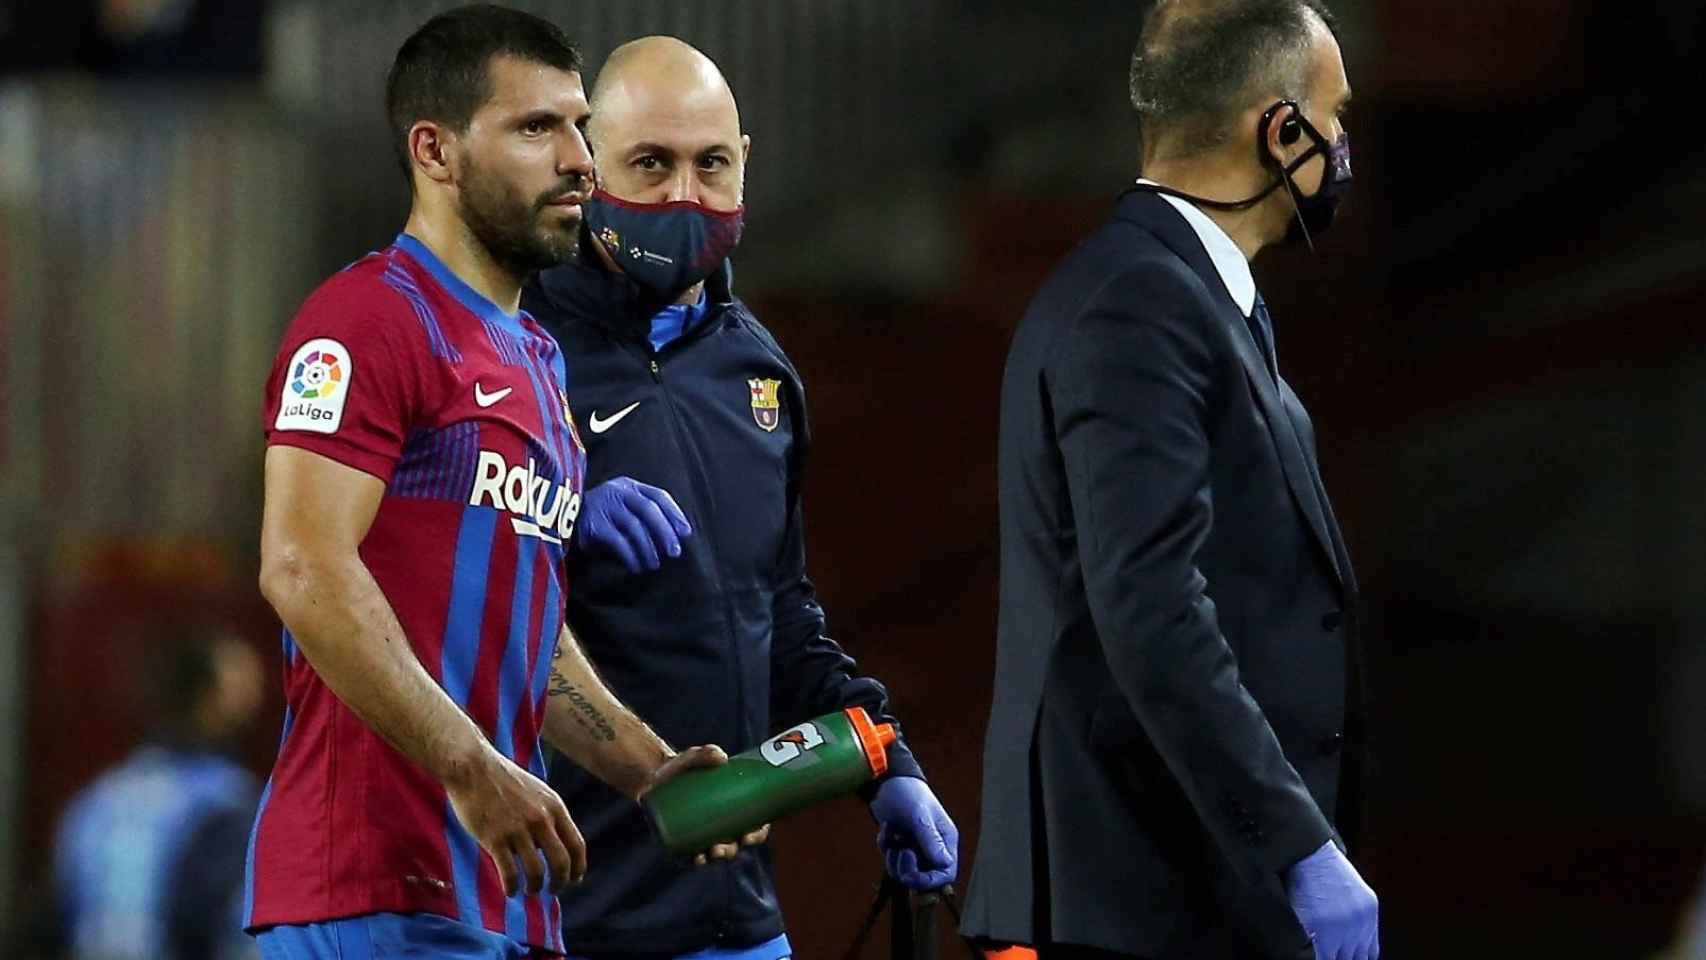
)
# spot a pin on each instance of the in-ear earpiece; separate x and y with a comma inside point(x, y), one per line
point(1290, 130)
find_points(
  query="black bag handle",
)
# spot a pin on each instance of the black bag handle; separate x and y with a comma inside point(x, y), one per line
point(912, 932)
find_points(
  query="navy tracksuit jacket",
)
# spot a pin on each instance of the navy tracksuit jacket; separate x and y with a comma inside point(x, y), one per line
point(726, 643)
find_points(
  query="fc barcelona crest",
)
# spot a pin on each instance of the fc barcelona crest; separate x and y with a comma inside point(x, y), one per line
point(766, 402)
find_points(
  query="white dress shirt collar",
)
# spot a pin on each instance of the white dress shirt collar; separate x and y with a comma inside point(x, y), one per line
point(1233, 267)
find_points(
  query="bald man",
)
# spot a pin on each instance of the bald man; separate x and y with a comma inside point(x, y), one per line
point(696, 607)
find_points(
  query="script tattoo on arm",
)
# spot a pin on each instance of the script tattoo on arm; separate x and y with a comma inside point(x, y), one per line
point(585, 712)
point(595, 730)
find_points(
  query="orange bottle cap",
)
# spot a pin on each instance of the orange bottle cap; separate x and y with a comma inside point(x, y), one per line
point(874, 737)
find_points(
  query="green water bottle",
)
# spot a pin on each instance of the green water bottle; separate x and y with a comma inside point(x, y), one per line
point(805, 764)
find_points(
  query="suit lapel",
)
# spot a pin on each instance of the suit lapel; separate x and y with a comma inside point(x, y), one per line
point(1157, 216)
point(1288, 442)
point(1294, 407)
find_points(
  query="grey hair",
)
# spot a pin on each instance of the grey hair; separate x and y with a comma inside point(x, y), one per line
point(1198, 63)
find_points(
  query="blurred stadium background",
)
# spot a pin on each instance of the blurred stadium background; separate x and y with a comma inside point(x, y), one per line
point(1503, 347)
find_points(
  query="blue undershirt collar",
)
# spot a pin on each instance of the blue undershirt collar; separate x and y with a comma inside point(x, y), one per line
point(670, 323)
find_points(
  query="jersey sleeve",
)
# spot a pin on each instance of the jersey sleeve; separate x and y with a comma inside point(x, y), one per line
point(348, 382)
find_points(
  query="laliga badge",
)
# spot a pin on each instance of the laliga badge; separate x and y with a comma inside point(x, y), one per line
point(316, 384)
point(766, 403)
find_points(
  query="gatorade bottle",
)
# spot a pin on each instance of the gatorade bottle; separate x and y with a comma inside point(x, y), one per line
point(814, 761)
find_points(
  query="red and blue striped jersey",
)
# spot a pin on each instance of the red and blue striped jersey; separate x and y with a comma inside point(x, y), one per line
point(397, 368)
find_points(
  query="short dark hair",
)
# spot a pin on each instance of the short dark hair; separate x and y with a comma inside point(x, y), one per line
point(1195, 68)
point(441, 73)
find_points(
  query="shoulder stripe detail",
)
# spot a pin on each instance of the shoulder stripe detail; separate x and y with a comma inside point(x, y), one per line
point(399, 279)
point(359, 261)
point(505, 343)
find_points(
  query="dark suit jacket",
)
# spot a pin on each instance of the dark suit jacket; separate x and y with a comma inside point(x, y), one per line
point(1177, 627)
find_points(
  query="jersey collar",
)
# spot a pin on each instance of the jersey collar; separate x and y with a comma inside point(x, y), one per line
point(464, 294)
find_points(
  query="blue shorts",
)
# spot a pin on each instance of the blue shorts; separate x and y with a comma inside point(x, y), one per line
point(774, 949)
point(383, 936)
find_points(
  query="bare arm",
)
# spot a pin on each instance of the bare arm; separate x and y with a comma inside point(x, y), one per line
point(590, 726)
point(585, 721)
point(317, 512)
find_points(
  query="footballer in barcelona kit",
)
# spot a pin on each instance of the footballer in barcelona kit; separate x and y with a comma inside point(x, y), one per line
point(397, 368)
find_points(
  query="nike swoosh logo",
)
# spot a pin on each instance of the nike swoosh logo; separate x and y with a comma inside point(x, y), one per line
point(599, 426)
point(485, 399)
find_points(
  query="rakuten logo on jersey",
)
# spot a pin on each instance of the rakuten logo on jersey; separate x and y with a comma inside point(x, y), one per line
point(536, 509)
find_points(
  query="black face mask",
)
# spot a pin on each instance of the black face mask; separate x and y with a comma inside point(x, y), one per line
point(1315, 212)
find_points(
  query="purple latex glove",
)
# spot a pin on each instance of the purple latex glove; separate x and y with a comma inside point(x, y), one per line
point(920, 844)
point(1336, 908)
point(637, 522)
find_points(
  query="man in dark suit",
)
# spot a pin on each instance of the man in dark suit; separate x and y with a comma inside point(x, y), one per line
point(1174, 717)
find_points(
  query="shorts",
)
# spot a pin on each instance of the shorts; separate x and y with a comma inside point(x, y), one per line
point(384, 936)
point(776, 948)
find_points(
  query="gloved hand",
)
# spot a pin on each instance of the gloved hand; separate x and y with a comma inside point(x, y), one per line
point(1336, 908)
point(635, 521)
point(920, 843)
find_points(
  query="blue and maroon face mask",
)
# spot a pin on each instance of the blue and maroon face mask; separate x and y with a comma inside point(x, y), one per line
point(667, 247)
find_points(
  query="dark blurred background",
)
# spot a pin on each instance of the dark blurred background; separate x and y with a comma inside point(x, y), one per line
point(1502, 344)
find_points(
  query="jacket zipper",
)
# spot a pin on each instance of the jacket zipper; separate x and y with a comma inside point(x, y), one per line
point(729, 633)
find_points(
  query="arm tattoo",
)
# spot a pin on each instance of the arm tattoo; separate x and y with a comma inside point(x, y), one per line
point(585, 712)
